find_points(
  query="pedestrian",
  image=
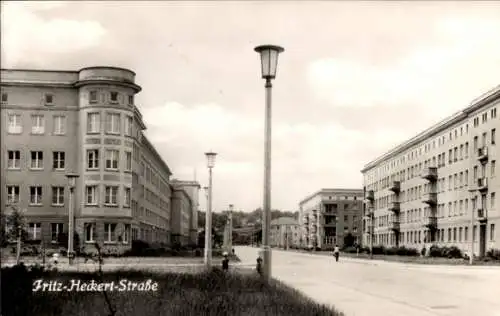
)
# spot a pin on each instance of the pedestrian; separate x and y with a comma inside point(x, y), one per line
point(225, 262)
point(336, 253)
point(259, 265)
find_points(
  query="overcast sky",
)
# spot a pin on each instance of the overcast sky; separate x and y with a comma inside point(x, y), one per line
point(356, 79)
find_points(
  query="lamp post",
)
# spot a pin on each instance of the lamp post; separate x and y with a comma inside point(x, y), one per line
point(269, 64)
point(230, 229)
point(71, 216)
point(208, 216)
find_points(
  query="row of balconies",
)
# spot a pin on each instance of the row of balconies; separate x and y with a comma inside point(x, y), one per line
point(428, 173)
point(430, 197)
point(432, 221)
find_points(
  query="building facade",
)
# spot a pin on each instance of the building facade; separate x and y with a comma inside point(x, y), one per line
point(192, 188)
point(440, 186)
point(328, 216)
point(285, 233)
point(87, 122)
point(181, 216)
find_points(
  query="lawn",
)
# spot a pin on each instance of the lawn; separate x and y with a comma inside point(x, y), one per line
point(210, 293)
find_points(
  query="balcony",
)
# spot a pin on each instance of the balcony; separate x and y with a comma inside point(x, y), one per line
point(394, 207)
point(482, 153)
point(395, 226)
point(429, 198)
point(482, 184)
point(330, 224)
point(431, 222)
point(395, 187)
point(481, 216)
point(370, 195)
point(430, 173)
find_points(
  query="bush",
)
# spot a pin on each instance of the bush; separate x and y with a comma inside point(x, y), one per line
point(493, 254)
point(445, 252)
point(350, 250)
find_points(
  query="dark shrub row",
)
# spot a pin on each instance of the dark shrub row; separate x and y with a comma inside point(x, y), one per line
point(493, 254)
point(445, 252)
point(381, 250)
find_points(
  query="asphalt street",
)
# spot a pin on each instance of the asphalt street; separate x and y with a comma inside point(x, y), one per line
point(363, 287)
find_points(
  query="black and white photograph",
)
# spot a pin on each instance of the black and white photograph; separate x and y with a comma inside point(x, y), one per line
point(247, 158)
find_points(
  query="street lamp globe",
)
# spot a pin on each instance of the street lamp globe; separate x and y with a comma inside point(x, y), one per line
point(72, 179)
point(210, 159)
point(269, 59)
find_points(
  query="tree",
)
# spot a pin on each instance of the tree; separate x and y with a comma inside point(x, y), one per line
point(16, 229)
point(349, 240)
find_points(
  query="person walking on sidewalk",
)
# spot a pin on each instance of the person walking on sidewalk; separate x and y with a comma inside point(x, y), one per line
point(336, 253)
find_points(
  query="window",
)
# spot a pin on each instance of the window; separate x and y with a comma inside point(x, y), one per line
point(93, 123)
point(49, 99)
point(110, 197)
point(37, 124)
point(128, 126)
point(37, 160)
point(5, 97)
point(492, 200)
point(35, 231)
point(58, 196)
point(12, 194)
point(466, 233)
point(58, 160)
point(91, 195)
point(90, 232)
point(126, 197)
point(14, 159)
point(109, 232)
point(93, 159)
point(14, 126)
point(492, 232)
point(113, 123)
point(493, 163)
point(36, 195)
point(128, 161)
point(112, 159)
point(93, 96)
point(126, 232)
point(59, 125)
point(55, 230)
point(493, 136)
point(131, 99)
point(113, 96)
point(493, 112)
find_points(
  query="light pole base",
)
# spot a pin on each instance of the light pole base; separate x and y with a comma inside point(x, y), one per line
point(207, 260)
point(71, 257)
point(265, 253)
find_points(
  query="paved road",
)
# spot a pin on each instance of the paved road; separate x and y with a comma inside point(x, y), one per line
point(359, 287)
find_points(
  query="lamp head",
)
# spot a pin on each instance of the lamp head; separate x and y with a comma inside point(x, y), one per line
point(269, 59)
point(210, 159)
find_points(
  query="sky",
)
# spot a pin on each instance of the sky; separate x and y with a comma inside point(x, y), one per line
point(355, 79)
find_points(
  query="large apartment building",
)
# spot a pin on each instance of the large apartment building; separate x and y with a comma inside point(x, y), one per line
point(285, 232)
point(329, 215)
point(84, 122)
point(440, 186)
point(192, 189)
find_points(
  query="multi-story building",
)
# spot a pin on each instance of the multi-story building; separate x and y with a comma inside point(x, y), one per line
point(182, 208)
point(285, 232)
point(86, 122)
point(192, 189)
point(328, 216)
point(440, 186)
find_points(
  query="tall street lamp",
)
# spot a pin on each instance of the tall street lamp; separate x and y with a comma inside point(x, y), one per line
point(269, 64)
point(208, 216)
point(71, 215)
point(230, 229)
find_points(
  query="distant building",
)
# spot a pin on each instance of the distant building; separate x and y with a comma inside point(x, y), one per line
point(284, 232)
point(182, 208)
point(328, 216)
point(192, 188)
point(427, 190)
